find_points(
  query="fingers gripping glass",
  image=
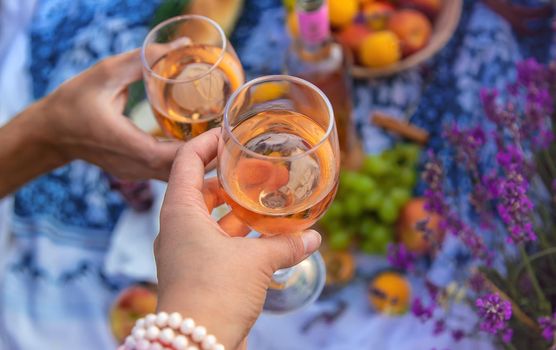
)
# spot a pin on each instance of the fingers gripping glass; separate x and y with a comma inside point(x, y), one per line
point(278, 165)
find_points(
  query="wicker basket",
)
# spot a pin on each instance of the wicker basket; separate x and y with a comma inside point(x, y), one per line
point(444, 28)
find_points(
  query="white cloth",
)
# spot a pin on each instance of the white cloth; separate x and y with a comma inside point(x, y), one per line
point(131, 247)
point(15, 84)
point(15, 90)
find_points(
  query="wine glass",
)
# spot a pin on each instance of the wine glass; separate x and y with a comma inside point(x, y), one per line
point(190, 70)
point(278, 166)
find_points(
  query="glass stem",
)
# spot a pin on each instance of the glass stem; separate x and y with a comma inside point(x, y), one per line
point(283, 275)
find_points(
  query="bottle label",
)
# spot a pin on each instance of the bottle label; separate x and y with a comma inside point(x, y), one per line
point(314, 27)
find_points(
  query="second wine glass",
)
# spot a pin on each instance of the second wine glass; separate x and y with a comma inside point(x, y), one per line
point(190, 70)
point(278, 166)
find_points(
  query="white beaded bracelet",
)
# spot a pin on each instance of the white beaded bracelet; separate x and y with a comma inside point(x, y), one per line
point(169, 332)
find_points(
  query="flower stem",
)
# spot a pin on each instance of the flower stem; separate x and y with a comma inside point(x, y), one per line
point(543, 303)
point(546, 219)
point(550, 163)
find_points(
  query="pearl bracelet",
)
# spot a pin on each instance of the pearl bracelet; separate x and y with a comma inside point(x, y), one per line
point(169, 332)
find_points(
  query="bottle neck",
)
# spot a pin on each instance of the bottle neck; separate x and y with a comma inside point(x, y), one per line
point(314, 25)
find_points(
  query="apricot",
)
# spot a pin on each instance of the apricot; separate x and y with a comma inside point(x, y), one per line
point(342, 12)
point(390, 293)
point(380, 49)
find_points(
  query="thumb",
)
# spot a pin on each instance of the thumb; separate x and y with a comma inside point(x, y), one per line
point(290, 249)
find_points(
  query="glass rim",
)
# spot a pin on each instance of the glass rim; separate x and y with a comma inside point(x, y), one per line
point(212, 22)
point(280, 77)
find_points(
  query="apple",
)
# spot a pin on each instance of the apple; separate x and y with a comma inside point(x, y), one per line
point(407, 231)
point(412, 28)
point(376, 14)
point(430, 8)
point(130, 305)
point(352, 36)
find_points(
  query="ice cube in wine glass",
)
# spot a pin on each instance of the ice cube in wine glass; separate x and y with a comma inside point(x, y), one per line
point(204, 95)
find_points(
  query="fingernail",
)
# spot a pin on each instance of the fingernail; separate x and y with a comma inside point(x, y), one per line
point(311, 240)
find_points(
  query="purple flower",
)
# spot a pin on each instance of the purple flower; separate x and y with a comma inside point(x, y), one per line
point(510, 158)
point(488, 100)
point(507, 335)
point(546, 137)
point(515, 207)
point(536, 124)
point(433, 176)
point(476, 282)
point(534, 79)
point(504, 118)
point(491, 185)
point(468, 143)
point(467, 235)
point(528, 119)
point(530, 72)
point(494, 313)
point(432, 289)
point(420, 311)
point(458, 335)
point(510, 190)
point(439, 327)
point(548, 326)
point(399, 257)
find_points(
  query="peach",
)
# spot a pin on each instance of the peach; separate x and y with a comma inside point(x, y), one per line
point(407, 232)
point(132, 304)
point(352, 36)
point(412, 28)
point(376, 14)
point(430, 8)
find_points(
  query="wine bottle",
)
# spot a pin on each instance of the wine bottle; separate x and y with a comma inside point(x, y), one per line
point(316, 57)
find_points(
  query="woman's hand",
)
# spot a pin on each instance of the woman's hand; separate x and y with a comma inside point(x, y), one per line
point(204, 272)
point(83, 119)
point(86, 122)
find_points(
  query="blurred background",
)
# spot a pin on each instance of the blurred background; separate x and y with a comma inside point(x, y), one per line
point(81, 238)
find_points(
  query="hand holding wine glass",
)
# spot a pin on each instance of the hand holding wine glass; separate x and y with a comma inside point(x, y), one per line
point(218, 280)
point(83, 119)
point(278, 165)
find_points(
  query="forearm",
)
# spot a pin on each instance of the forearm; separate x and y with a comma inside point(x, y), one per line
point(26, 149)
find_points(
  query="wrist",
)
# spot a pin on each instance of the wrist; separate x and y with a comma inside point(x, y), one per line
point(45, 131)
point(27, 151)
point(207, 310)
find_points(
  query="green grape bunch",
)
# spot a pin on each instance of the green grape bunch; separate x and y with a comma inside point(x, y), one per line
point(369, 200)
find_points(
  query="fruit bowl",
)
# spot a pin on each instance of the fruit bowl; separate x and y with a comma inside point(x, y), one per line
point(443, 29)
